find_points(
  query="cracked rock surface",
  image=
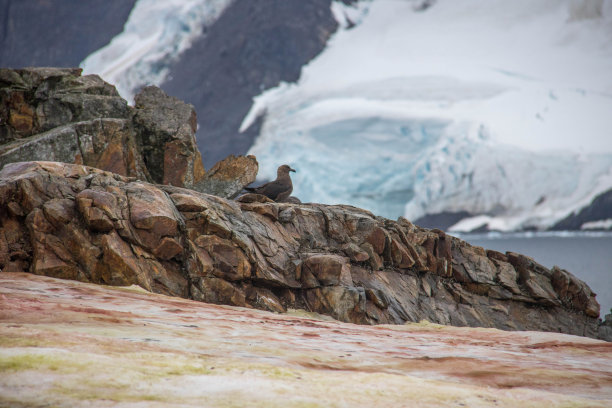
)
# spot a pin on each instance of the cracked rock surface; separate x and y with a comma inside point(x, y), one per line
point(77, 222)
point(55, 114)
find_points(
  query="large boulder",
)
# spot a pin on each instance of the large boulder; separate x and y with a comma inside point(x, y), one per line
point(166, 127)
point(55, 114)
point(229, 176)
point(77, 222)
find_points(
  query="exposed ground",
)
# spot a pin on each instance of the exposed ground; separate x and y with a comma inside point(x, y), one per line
point(70, 344)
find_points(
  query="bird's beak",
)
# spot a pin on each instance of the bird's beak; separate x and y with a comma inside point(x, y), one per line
point(290, 169)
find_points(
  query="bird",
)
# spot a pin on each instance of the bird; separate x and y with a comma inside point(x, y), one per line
point(276, 190)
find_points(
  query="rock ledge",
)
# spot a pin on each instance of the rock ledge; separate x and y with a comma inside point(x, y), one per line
point(77, 222)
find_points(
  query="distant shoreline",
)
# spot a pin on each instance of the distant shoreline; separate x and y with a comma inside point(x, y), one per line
point(531, 234)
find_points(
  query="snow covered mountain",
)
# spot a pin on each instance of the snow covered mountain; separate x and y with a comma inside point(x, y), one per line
point(216, 55)
point(494, 114)
point(154, 36)
point(497, 109)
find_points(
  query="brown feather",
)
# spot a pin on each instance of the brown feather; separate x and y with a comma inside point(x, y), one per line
point(278, 189)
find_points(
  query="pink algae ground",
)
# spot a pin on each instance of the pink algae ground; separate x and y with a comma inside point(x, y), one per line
point(65, 343)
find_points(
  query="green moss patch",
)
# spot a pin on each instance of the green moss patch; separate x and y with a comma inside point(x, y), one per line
point(31, 361)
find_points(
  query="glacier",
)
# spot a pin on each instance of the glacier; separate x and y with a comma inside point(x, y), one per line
point(497, 108)
point(501, 109)
point(154, 36)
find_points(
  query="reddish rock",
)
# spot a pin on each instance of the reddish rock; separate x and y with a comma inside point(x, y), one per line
point(355, 253)
point(110, 144)
point(104, 200)
point(229, 262)
point(291, 200)
point(400, 256)
point(81, 223)
point(217, 290)
point(166, 126)
point(119, 265)
point(264, 299)
point(491, 254)
point(151, 213)
point(341, 302)
point(507, 276)
point(375, 261)
point(97, 220)
point(377, 297)
point(168, 248)
point(253, 198)
point(377, 239)
point(188, 202)
point(55, 114)
point(229, 176)
point(329, 270)
point(20, 114)
point(573, 292)
point(307, 278)
point(59, 211)
point(200, 263)
point(263, 209)
point(535, 277)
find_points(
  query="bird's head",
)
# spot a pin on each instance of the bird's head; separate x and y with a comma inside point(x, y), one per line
point(284, 169)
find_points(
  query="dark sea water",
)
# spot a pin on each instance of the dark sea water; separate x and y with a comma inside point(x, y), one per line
point(586, 255)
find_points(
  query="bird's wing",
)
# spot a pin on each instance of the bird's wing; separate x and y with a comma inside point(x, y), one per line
point(257, 189)
point(274, 189)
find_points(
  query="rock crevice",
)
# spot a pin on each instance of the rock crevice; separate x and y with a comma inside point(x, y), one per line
point(55, 114)
point(77, 222)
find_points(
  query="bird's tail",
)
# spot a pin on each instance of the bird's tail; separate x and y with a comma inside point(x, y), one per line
point(251, 189)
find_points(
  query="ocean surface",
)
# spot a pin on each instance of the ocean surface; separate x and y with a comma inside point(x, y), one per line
point(588, 255)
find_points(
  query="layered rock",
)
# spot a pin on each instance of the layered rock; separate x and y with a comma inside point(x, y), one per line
point(167, 128)
point(58, 115)
point(81, 223)
point(229, 176)
point(55, 114)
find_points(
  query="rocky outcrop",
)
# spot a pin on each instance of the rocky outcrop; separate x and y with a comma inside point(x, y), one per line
point(605, 328)
point(166, 127)
point(252, 47)
point(58, 115)
point(228, 177)
point(81, 223)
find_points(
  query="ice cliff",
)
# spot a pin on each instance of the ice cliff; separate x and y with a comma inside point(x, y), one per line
point(494, 113)
point(497, 109)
